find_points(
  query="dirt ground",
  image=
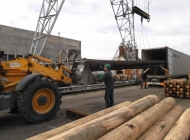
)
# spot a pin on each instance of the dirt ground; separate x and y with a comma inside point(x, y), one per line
point(15, 127)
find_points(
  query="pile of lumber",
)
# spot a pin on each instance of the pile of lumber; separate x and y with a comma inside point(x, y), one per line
point(188, 89)
point(176, 88)
point(124, 77)
point(145, 119)
point(120, 77)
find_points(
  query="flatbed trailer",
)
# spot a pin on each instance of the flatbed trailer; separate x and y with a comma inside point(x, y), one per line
point(97, 86)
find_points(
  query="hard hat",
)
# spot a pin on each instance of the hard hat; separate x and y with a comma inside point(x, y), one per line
point(107, 66)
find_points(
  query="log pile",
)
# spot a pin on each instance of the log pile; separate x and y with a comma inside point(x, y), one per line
point(175, 88)
point(127, 75)
point(120, 77)
point(128, 121)
point(124, 77)
point(188, 89)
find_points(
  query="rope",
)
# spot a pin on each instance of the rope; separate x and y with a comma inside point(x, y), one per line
point(141, 33)
point(146, 38)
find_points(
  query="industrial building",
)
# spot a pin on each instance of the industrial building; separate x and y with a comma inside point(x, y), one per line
point(17, 42)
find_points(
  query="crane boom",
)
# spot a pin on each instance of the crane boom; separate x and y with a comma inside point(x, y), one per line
point(48, 15)
point(124, 16)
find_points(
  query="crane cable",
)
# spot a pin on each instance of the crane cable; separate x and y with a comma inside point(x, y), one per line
point(142, 33)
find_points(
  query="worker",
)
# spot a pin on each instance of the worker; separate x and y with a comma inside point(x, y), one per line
point(109, 90)
point(144, 78)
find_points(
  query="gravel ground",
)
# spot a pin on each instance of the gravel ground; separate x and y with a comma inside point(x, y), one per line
point(15, 127)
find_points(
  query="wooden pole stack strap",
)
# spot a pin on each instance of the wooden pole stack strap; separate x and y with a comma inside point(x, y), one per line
point(160, 129)
point(68, 126)
point(181, 129)
point(135, 127)
point(100, 126)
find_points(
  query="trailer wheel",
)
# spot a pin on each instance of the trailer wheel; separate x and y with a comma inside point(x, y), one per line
point(39, 101)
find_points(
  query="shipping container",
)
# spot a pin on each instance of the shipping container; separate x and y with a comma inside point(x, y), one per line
point(177, 62)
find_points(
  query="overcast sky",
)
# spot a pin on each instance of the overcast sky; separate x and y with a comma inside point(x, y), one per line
point(92, 22)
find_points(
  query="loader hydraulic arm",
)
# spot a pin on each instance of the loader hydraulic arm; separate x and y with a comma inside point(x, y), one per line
point(47, 68)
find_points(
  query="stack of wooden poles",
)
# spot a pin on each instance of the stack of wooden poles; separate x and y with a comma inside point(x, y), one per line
point(127, 75)
point(188, 89)
point(145, 119)
point(122, 77)
point(175, 88)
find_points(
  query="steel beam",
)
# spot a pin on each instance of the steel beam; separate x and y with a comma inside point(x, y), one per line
point(98, 65)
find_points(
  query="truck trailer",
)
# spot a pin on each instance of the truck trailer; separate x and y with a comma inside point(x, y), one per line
point(177, 64)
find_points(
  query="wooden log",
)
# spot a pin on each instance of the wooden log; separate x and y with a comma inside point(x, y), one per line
point(174, 82)
point(124, 77)
point(181, 95)
point(167, 94)
point(167, 82)
point(174, 89)
point(170, 92)
point(181, 89)
point(100, 126)
point(181, 129)
point(167, 89)
point(187, 94)
point(171, 85)
point(178, 92)
point(135, 127)
point(68, 126)
point(187, 86)
point(182, 82)
point(160, 129)
point(170, 81)
point(178, 86)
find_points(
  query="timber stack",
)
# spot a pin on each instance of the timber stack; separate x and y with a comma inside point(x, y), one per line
point(176, 88)
point(129, 121)
point(127, 75)
point(188, 89)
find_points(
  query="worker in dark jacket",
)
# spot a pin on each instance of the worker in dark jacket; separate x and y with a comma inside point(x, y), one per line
point(108, 80)
point(144, 77)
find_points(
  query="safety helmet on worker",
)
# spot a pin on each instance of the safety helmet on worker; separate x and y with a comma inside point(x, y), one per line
point(107, 66)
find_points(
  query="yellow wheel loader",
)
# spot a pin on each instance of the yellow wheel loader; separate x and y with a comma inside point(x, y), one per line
point(30, 85)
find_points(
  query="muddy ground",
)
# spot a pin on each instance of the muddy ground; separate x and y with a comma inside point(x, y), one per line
point(15, 127)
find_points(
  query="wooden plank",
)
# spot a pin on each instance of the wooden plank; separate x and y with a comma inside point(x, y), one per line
point(100, 126)
point(68, 126)
point(160, 129)
point(181, 129)
point(135, 127)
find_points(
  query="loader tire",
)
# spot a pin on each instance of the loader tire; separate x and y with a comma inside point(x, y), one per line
point(39, 101)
